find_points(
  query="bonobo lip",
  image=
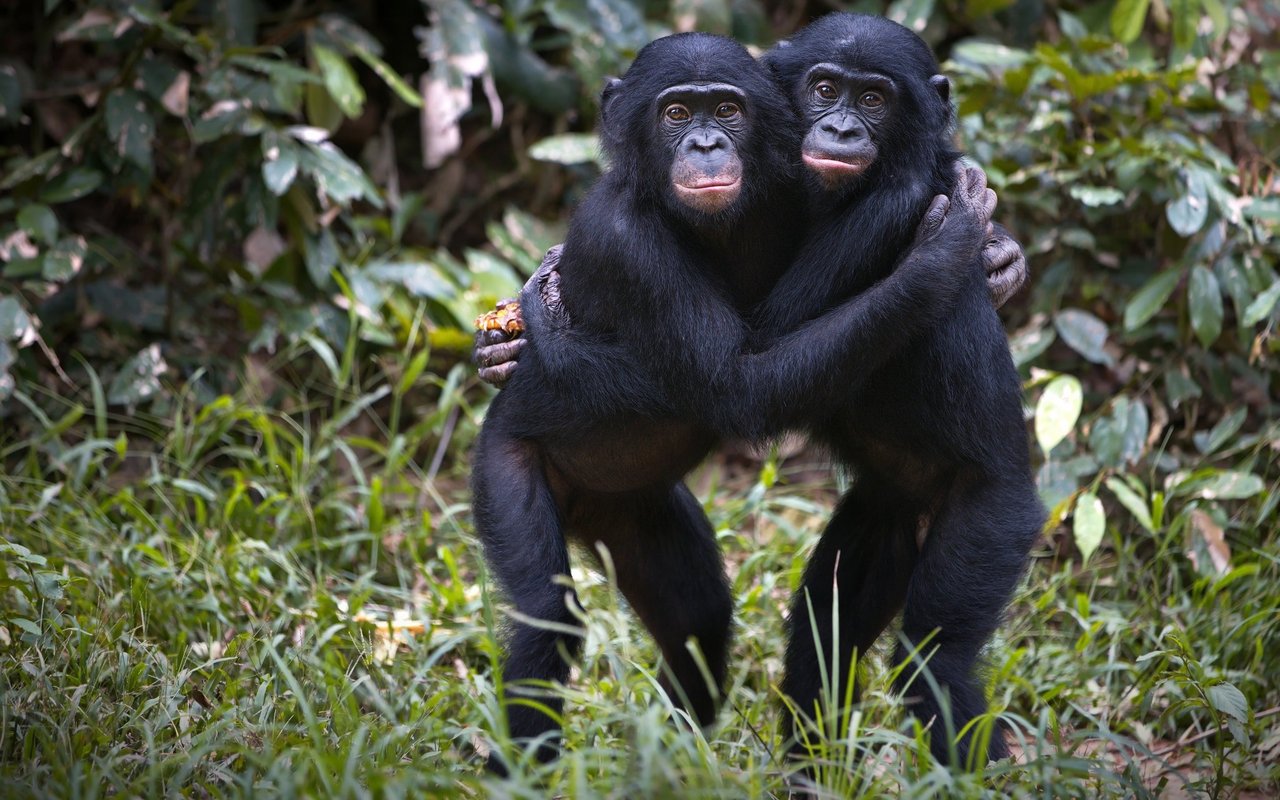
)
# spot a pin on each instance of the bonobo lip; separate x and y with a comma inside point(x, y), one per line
point(709, 184)
point(832, 167)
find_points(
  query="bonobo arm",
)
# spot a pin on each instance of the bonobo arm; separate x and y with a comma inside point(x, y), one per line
point(497, 353)
point(808, 370)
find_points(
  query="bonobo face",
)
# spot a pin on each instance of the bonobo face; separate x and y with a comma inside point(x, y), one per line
point(846, 110)
point(703, 125)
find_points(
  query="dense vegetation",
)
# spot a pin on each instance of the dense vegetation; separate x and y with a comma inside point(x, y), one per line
point(241, 244)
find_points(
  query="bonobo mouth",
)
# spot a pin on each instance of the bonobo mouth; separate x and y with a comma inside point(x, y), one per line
point(708, 194)
point(835, 169)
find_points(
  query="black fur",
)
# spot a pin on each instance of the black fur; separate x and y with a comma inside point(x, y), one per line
point(594, 432)
point(936, 437)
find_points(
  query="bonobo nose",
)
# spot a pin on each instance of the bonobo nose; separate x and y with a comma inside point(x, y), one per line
point(843, 127)
point(706, 142)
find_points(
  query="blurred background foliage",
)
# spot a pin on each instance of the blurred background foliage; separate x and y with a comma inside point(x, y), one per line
point(241, 243)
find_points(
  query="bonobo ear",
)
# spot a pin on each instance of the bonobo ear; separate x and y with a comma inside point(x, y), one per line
point(607, 95)
point(942, 86)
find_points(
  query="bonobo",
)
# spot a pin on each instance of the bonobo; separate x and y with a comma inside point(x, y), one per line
point(596, 429)
point(936, 436)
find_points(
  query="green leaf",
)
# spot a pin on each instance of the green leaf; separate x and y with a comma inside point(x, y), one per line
point(1205, 301)
point(1211, 441)
point(15, 323)
point(279, 164)
point(64, 260)
point(1148, 300)
point(989, 54)
point(1057, 411)
point(1084, 333)
point(568, 148)
point(1261, 306)
point(1095, 196)
point(38, 220)
point(139, 378)
point(1188, 212)
point(1127, 18)
point(340, 80)
point(131, 126)
point(71, 185)
point(420, 279)
point(336, 175)
point(1089, 524)
point(1130, 500)
point(1214, 484)
point(1185, 14)
point(1227, 699)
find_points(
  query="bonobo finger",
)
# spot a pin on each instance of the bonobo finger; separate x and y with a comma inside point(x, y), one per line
point(1005, 265)
point(498, 376)
point(499, 353)
point(977, 186)
point(988, 204)
point(934, 216)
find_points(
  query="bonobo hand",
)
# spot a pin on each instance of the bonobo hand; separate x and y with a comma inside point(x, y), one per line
point(1005, 265)
point(961, 223)
point(497, 352)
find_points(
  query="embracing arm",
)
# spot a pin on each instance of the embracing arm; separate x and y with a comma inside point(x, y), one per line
point(810, 369)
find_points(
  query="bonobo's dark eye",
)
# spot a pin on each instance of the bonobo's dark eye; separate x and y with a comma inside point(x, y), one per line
point(727, 111)
point(871, 100)
point(676, 113)
point(826, 90)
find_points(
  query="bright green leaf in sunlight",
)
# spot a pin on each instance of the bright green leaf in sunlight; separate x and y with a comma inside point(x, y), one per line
point(341, 81)
point(1127, 17)
point(568, 148)
point(1205, 301)
point(1094, 196)
point(1089, 524)
point(1057, 410)
point(1133, 502)
point(1148, 300)
point(1215, 484)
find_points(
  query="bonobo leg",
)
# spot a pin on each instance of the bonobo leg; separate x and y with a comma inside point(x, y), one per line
point(520, 527)
point(866, 554)
point(669, 568)
point(971, 562)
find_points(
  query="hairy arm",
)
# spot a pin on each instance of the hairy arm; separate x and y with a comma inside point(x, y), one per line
point(810, 369)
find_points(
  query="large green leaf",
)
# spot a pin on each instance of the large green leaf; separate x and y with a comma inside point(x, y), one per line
point(1089, 524)
point(1057, 410)
point(1127, 17)
point(1148, 300)
point(340, 80)
point(131, 126)
point(1205, 303)
point(1084, 333)
point(1187, 212)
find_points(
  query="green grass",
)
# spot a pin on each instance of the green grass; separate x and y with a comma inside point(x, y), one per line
point(201, 604)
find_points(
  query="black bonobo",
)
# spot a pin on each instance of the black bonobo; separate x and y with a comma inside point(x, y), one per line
point(596, 429)
point(936, 437)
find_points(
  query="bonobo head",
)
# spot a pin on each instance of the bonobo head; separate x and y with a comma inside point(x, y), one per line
point(870, 96)
point(698, 125)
